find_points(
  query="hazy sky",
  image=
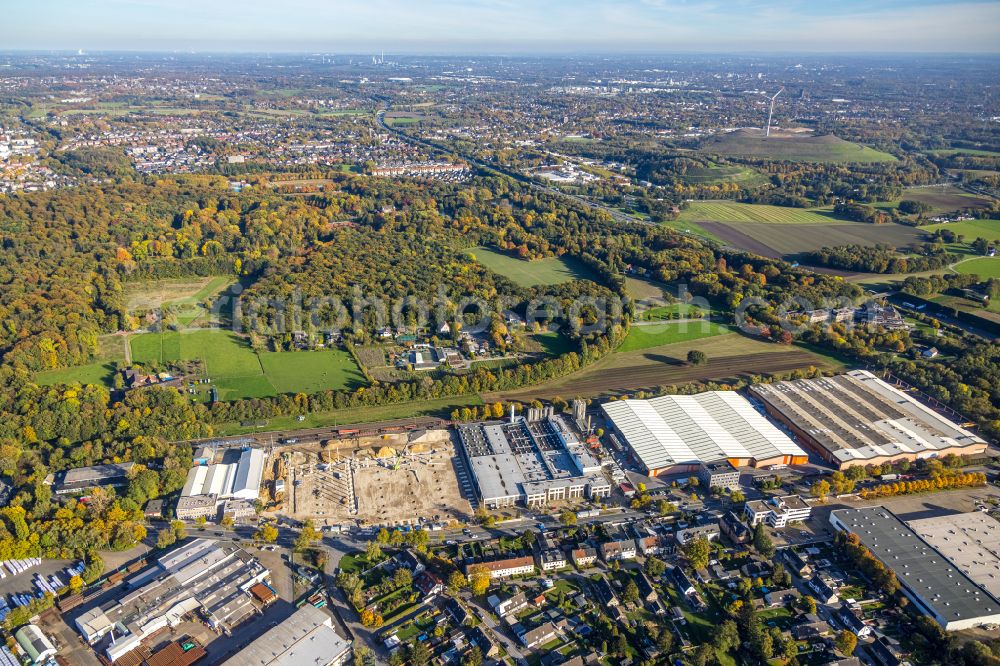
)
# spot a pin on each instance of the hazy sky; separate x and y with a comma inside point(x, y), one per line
point(503, 26)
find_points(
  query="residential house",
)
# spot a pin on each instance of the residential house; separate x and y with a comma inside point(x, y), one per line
point(505, 567)
point(605, 593)
point(823, 590)
point(781, 597)
point(810, 627)
point(734, 529)
point(457, 611)
point(429, 584)
point(647, 591)
point(583, 557)
point(538, 636)
point(853, 620)
point(709, 532)
point(797, 563)
point(682, 582)
point(650, 545)
point(618, 549)
point(486, 646)
point(409, 560)
point(509, 605)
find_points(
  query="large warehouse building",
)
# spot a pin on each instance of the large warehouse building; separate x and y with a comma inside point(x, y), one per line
point(530, 462)
point(238, 476)
point(200, 579)
point(676, 433)
point(928, 575)
point(858, 419)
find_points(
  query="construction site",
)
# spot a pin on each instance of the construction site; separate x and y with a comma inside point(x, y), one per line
point(386, 479)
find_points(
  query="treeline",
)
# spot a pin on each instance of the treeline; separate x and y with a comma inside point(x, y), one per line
point(944, 482)
point(937, 284)
point(877, 259)
point(850, 545)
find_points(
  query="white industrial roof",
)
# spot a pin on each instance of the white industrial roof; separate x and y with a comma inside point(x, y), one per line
point(236, 479)
point(679, 429)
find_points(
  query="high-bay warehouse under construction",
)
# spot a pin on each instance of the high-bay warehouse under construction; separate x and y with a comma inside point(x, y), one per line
point(530, 460)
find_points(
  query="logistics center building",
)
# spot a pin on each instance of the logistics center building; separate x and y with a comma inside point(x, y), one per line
point(674, 434)
point(858, 419)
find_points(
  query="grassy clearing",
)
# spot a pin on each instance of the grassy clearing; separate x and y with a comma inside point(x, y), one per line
point(656, 335)
point(436, 407)
point(984, 267)
point(240, 372)
point(552, 343)
point(728, 211)
point(716, 174)
point(971, 229)
point(551, 270)
point(641, 289)
point(311, 371)
point(100, 373)
point(794, 148)
point(181, 300)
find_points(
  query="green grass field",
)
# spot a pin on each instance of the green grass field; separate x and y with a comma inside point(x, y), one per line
point(948, 152)
point(655, 335)
point(971, 229)
point(794, 148)
point(552, 270)
point(436, 407)
point(984, 267)
point(92, 373)
point(240, 372)
point(716, 174)
point(728, 211)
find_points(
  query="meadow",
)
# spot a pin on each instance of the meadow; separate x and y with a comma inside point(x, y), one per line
point(794, 148)
point(551, 270)
point(180, 299)
point(941, 199)
point(715, 174)
point(656, 335)
point(971, 229)
point(984, 267)
point(240, 372)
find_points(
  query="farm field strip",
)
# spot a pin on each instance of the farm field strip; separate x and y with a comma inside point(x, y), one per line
point(728, 211)
point(729, 357)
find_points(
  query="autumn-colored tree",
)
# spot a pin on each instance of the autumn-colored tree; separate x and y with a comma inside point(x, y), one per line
point(479, 579)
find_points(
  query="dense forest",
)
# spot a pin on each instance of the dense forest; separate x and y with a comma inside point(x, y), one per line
point(879, 259)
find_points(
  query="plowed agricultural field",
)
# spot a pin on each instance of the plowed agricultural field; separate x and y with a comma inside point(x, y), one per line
point(777, 240)
point(730, 357)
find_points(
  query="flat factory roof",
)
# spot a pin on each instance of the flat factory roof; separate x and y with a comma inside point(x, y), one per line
point(306, 638)
point(970, 540)
point(857, 416)
point(687, 429)
point(925, 571)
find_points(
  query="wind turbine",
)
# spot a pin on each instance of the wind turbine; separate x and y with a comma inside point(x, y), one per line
point(767, 130)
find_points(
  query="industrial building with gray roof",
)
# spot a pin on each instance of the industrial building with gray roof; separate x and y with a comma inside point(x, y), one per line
point(529, 462)
point(927, 575)
point(858, 419)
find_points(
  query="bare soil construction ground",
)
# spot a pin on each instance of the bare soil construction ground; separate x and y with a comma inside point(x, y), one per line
point(383, 481)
